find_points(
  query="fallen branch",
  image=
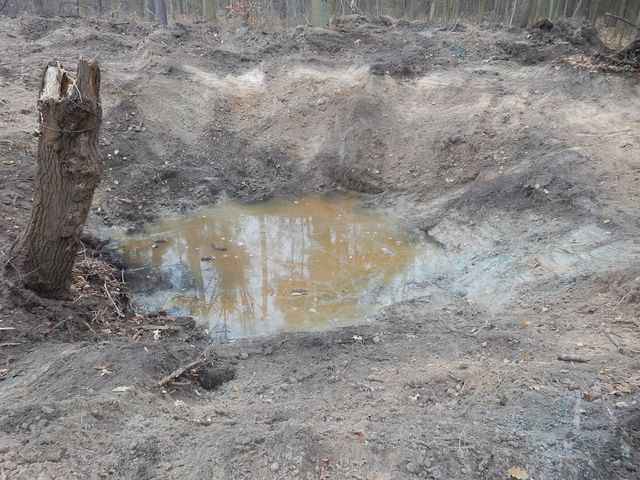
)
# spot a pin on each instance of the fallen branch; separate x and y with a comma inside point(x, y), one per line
point(204, 356)
point(609, 335)
point(623, 20)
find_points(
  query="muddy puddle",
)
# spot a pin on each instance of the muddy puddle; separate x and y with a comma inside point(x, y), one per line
point(258, 269)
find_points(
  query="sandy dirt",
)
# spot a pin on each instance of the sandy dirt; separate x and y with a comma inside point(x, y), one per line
point(514, 150)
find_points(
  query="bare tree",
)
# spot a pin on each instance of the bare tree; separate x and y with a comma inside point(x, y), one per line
point(38, 6)
point(160, 11)
point(209, 9)
point(149, 9)
point(526, 13)
point(69, 169)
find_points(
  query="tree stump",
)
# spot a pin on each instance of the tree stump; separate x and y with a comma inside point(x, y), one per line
point(69, 169)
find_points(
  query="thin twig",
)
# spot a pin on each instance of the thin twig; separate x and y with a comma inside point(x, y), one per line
point(460, 436)
point(120, 314)
point(204, 356)
point(159, 327)
point(608, 334)
point(623, 297)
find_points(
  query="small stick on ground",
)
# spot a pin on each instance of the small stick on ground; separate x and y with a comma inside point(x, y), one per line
point(176, 328)
point(204, 356)
point(609, 335)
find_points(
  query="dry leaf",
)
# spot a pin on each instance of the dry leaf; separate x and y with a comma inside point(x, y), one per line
point(518, 473)
point(361, 437)
point(623, 389)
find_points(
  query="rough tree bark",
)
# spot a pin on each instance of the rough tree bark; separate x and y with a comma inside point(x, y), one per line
point(69, 169)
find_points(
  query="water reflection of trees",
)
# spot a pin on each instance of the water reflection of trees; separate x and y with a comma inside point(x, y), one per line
point(325, 248)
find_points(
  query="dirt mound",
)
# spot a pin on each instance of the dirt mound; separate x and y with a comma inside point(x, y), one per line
point(409, 63)
point(529, 53)
point(579, 33)
point(552, 40)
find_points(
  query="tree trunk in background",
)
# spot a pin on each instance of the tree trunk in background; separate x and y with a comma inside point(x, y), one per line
point(149, 10)
point(594, 11)
point(138, 8)
point(160, 8)
point(577, 9)
point(513, 12)
point(623, 8)
point(69, 169)
point(280, 7)
point(526, 13)
point(209, 9)
point(38, 6)
point(611, 22)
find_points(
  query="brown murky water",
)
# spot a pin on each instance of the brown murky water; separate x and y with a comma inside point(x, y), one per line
point(246, 270)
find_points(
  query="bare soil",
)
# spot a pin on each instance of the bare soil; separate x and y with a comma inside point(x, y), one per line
point(518, 151)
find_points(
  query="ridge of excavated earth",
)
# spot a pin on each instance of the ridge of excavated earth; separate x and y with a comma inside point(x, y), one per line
point(503, 146)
